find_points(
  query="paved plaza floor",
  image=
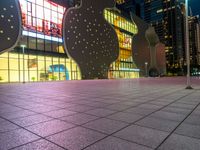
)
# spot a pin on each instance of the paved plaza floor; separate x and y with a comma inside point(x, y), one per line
point(137, 114)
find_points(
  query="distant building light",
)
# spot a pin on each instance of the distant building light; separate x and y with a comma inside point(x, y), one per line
point(160, 10)
point(120, 1)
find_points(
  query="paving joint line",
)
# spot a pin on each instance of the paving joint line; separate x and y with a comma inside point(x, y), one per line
point(40, 137)
point(89, 128)
point(177, 126)
point(136, 120)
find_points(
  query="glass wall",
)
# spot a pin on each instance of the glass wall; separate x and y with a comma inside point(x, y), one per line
point(42, 16)
point(120, 22)
point(124, 67)
point(19, 67)
point(42, 25)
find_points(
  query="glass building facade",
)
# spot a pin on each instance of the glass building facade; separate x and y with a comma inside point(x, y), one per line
point(40, 55)
point(124, 66)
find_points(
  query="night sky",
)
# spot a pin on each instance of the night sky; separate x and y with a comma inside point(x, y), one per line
point(195, 6)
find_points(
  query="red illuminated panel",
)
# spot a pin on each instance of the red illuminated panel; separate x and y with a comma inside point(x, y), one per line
point(42, 16)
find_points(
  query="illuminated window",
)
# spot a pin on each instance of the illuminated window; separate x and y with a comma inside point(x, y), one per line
point(120, 22)
point(124, 66)
point(42, 16)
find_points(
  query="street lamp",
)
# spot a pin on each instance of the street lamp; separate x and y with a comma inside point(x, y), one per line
point(146, 72)
point(23, 47)
point(187, 47)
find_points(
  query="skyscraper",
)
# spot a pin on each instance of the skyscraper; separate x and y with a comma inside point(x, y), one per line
point(127, 6)
point(194, 36)
point(167, 18)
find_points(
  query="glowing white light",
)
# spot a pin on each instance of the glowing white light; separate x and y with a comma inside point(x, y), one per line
point(41, 36)
point(130, 69)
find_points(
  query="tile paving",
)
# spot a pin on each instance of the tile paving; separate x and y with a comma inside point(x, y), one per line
point(138, 114)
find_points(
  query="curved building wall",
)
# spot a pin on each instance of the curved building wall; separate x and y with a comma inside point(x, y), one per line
point(10, 24)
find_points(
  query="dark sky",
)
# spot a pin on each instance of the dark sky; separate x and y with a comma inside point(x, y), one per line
point(195, 6)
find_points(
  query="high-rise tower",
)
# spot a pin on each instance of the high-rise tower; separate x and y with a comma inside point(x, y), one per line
point(167, 18)
point(194, 36)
